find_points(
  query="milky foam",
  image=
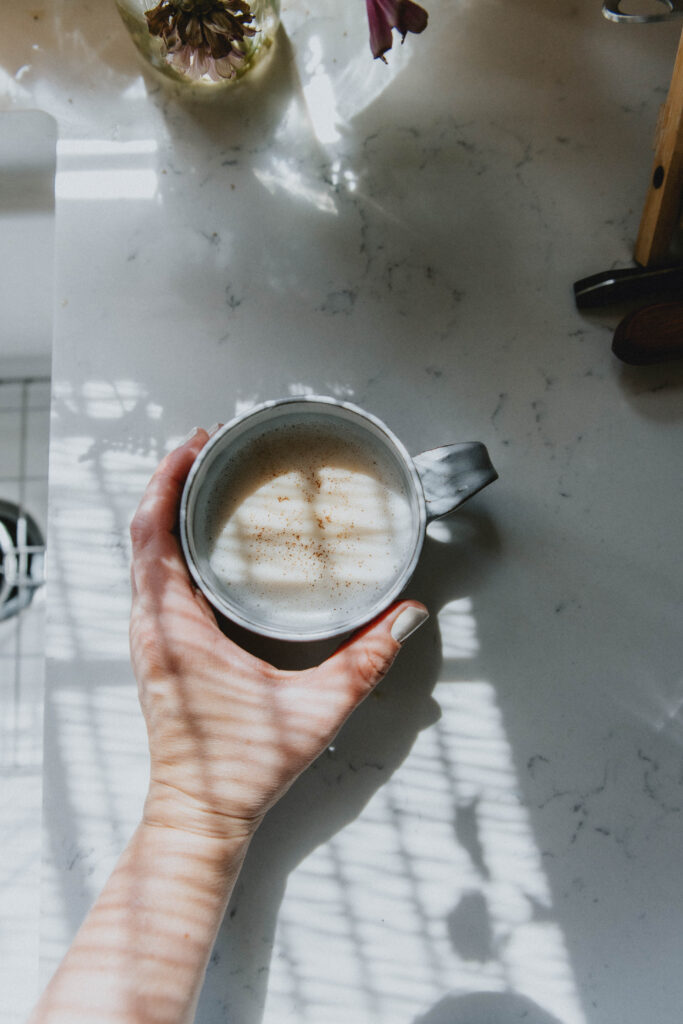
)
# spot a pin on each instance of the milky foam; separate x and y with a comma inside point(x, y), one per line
point(306, 523)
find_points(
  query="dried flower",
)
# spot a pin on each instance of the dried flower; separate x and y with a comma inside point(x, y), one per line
point(203, 37)
point(385, 15)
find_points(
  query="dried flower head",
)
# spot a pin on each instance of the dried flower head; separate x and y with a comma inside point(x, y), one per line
point(203, 37)
point(385, 15)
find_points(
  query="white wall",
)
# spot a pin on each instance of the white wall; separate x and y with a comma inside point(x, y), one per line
point(28, 141)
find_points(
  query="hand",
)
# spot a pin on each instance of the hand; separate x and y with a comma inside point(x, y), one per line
point(228, 732)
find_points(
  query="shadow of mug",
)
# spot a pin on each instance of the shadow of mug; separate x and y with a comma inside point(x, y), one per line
point(486, 1008)
point(333, 792)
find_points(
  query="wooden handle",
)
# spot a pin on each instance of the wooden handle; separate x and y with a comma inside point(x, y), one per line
point(662, 209)
point(650, 335)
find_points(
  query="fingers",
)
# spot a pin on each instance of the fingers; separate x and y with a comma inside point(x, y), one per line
point(359, 664)
point(158, 508)
point(155, 546)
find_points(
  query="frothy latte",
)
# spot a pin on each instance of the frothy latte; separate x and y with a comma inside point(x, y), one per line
point(306, 522)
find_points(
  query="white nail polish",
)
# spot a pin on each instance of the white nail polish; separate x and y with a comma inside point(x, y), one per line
point(212, 430)
point(407, 622)
point(188, 437)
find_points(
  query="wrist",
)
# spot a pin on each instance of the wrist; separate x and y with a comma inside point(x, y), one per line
point(169, 808)
point(191, 859)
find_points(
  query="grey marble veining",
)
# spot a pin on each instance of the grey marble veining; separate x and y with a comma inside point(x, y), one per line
point(496, 834)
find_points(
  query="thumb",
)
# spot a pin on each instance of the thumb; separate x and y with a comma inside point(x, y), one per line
point(363, 660)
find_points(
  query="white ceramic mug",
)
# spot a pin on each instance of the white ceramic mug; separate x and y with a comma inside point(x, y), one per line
point(431, 485)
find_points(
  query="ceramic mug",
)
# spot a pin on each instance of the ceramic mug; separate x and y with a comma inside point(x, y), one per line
point(383, 497)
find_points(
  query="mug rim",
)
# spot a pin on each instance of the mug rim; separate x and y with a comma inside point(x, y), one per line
point(200, 465)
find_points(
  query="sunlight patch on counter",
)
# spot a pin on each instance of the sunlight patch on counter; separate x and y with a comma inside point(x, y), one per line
point(282, 176)
point(319, 93)
point(458, 629)
point(103, 169)
point(436, 891)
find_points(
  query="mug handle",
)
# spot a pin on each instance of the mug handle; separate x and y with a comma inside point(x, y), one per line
point(452, 474)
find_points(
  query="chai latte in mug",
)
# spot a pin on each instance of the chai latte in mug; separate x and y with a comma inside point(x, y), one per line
point(308, 521)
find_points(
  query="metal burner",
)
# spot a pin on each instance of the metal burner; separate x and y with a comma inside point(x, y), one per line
point(22, 559)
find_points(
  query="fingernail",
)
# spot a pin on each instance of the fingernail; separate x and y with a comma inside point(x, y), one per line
point(407, 622)
point(212, 430)
point(189, 436)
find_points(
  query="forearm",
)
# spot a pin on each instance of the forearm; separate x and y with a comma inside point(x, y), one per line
point(141, 953)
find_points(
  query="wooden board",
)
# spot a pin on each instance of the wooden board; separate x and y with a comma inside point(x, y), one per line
point(662, 209)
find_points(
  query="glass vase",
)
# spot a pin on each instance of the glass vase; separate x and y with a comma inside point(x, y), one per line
point(206, 43)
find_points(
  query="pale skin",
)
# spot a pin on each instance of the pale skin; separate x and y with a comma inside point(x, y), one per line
point(228, 735)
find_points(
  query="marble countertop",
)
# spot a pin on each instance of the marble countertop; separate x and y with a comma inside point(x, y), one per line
point(496, 834)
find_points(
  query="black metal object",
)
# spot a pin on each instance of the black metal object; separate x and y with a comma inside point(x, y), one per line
point(22, 559)
point(632, 284)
